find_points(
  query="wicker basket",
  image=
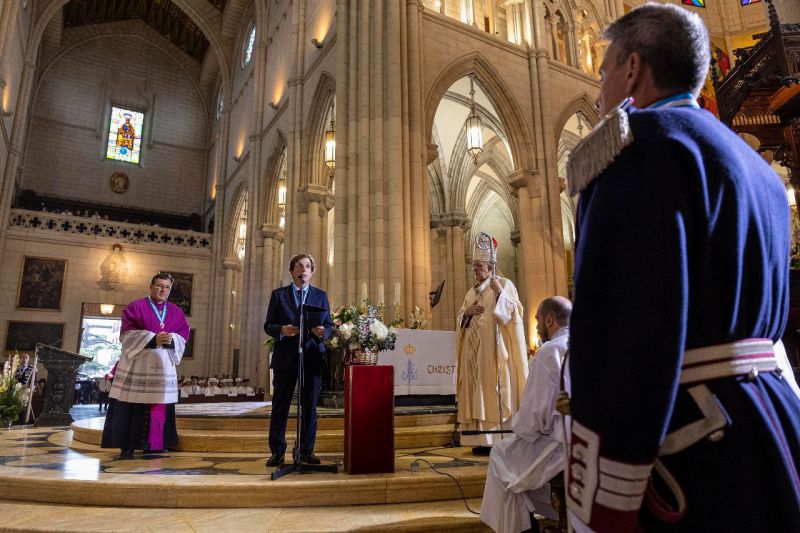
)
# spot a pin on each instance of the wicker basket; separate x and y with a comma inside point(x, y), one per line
point(360, 357)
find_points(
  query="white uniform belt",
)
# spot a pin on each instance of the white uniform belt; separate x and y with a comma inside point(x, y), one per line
point(748, 356)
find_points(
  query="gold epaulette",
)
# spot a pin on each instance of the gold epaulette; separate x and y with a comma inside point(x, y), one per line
point(597, 150)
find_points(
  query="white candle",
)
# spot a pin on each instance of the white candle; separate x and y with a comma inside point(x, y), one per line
point(364, 293)
point(397, 293)
point(380, 294)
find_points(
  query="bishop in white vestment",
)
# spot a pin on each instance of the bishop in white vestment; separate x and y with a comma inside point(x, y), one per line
point(490, 343)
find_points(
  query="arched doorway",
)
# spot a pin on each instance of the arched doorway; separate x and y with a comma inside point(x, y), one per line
point(468, 192)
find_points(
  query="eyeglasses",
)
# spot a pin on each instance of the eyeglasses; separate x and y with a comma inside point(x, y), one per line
point(163, 287)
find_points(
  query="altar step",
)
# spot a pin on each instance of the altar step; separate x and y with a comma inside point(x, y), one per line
point(208, 439)
point(442, 517)
point(327, 419)
point(46, 465)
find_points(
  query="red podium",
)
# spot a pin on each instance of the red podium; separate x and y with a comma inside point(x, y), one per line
point(369, 419)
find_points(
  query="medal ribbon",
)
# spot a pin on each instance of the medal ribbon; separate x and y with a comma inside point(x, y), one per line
point(162, 315)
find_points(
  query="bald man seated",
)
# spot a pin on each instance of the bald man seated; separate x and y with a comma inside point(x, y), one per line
point(522, 464)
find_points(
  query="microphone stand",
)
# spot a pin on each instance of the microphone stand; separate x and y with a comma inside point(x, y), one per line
point(297, 466)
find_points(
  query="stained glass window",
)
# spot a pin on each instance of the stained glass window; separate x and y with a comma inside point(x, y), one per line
point(249, 44)
point(125, 135)
point(695, 3)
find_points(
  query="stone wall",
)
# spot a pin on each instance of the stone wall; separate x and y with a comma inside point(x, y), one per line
point(130, 67)
point(84, 255)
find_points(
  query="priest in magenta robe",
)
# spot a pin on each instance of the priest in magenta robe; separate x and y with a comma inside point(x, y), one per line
point(145, 389)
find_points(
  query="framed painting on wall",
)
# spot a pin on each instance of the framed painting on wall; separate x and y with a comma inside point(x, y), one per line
point(181, 294)
point(23, 336)
point(41, 284)
point(188, 352)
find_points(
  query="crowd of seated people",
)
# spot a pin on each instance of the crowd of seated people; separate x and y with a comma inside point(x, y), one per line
point(198, 388)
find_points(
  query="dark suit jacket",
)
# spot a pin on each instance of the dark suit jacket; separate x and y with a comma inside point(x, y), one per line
point(283, 310)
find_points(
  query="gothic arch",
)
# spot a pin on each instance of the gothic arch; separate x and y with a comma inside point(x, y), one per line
point(523, 150)
point(581, 103)
point(270, 179)
point(231, 228)
point(325, 93)
point(206, 16)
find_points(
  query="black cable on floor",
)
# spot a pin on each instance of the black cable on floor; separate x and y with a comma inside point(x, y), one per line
point(421, 451)
point(463, 497)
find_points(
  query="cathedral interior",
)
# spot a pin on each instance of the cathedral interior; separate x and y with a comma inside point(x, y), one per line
point(215, 139)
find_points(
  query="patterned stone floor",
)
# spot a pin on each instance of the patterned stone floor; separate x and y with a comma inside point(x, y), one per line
point(51, 483)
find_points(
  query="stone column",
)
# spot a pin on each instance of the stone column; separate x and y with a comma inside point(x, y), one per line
point(19, 131)
point(448, 231)
point(382, 227)
point(534, 244)
point(217, 333)
point(231, 265)
point(317, 198)
point(272, 236)
point(252, 334)
point(543, 183)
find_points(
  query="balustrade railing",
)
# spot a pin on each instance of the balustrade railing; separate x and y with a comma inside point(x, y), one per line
point(122, 231)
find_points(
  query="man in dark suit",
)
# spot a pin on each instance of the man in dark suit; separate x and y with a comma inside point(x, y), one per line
point(283, 320)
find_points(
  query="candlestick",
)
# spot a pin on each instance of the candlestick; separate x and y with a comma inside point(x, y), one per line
point(397, 293)
point(364, 293)
point(380, 294)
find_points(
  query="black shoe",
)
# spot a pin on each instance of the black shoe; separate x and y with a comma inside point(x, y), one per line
point(276, 459)
point(309, 459)
point(482, 450)
point(126, 454)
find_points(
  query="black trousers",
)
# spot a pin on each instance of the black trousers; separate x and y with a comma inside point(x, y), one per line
point(283, 383)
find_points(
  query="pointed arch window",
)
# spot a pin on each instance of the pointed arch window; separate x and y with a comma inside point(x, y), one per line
point(282, 191)
point(241, 230)
point(220, 107)
point(249, 45)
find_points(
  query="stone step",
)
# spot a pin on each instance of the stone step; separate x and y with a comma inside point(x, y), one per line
point(90, 431)
point(323, 422)
point(49, 466)
point(424, 517)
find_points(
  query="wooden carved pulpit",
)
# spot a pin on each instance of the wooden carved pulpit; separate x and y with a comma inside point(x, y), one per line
point(59, 390)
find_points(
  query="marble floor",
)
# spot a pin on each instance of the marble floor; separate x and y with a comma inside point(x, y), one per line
point(49, 482)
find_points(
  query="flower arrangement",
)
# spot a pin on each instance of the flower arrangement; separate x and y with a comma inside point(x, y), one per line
point(358, 329)
point(416, 319)
point(13, 397)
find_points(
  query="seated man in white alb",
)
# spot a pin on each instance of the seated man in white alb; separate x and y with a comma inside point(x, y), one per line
point(213, 389)
point(522, 465)
point(186, 388)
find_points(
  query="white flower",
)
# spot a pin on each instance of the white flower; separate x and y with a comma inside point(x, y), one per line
point(353, 346)
point(346, 330)
point(378, 329)
point(335, 342)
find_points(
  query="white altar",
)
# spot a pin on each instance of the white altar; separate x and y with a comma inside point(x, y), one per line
point(424, 362)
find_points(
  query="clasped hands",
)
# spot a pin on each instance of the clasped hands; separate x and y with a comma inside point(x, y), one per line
point(290, 331)
point(163, 338)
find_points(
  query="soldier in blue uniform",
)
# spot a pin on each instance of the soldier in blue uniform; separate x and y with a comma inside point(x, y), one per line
point(682, 418)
